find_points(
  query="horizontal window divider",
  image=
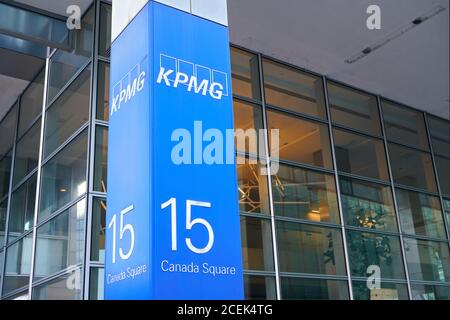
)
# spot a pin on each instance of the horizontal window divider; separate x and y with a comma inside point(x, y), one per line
point(374, 231)
point(363, 178)
point(261, 216)
point(422, 237)
point(57, 274)
point(313, 276)
point(32, 123)
point(387, 280)
point(249, 156)
point(102, 123)
point(69, 82)
point(23, 180)
point(4, 198)
point(307, 222)
point(239, 47)
point(431, 283)
point(356, 131)
point(409, 188)
point(249, 272)
point(305, 166)
point(247, 100)
point(96, 264)
point(98, 194)
point(408, 146)
point(65, 143)
point(7, 152)
point(296, 115)
point(389, 100)
point(59, 211)
point(290, 65)
point(104, 59)
point(19, 238)
point(349, 86)
point(23, 290)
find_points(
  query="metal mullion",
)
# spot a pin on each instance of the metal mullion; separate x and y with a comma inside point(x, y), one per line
point(23, 289)
point(364, 178)
point(32, 123)
point(431, 283)
point(102, 123)
point(8, 206)
point(104, 59)
point(268, 161)
point(441, 199)
point(305, 166)
point(247, 100)
point(408, 146)
point(255, 215)
point(307, 222)
point(60, 210)
point(294, 114)
point(389, 280)
point(57, 274)
point(24, 180)
point(338, 190)
point(394, 197)
point(313, 276)
point(290, 65)
point(258, 273)
point(372, 231)
point(356, 131)
point(424, 238)
point(22, 236)
point(414, 189)
point(38, 177)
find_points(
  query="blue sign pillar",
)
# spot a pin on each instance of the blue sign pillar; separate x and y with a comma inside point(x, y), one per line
point(172, 219)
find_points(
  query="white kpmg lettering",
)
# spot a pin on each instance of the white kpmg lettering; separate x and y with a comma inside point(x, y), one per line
point(127, 93)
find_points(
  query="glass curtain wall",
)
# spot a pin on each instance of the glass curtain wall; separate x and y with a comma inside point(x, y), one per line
point(358, 209)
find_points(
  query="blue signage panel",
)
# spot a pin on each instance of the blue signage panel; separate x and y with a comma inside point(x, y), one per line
point(172, 219)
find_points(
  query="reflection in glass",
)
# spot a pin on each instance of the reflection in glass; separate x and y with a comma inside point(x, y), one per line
point(7, 130)
point(98, 230)
point(360, 155)
point(386, 291)
point(301, 140)
point(21, 218)
point(440, 135)
point(427, 260)
point(244, 72)
point(27, 153)
point(66, 287)
point(248, 116)
point(367, 205)
point(18, 265)
point(429, 292)
point(443, 172)
point(294, 90)
point(60, 241)
point(31, 102)
point(68, 113)
point(252, 187)
point(313, 289)
point(5, 172)
point(412, 168)
point(104, 43)
point(3, 208)
point(96, 284)
point(309, 249)
point(305, 194)
point(259, 288)
point(101, 158)
point(369, 251)
point(103, 91)
point(404, 125)
point(420, 214)
point(353, 109)
point(256, 237)
point(64, 177)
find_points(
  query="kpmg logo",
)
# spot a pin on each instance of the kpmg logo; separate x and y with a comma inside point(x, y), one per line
point(192, 77)
point(129, 86)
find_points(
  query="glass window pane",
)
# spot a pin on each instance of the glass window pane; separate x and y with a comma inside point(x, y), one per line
point(386, 291)
point(5, 172)
point(412, 168)
point(21, 218)
point(247, 117)
point(427, 260)
point(404, 125)
point(420, 214)
point(360, 155)
point(68, 113)
point(103, 91)
point(443, 171)
point(18, 265)
point(429, 292)
point(447, 210)
point(257, 251)
point(309, 249)
point(3, 208)
point(31, 102)
point(259, 288)
point(440, 135)
point(63, 64)
point(101, 158)
point(244, 72)
point(252, 186)
point(27, 153)
point(367, 205)
point(353, 109)
point(305, 194)
point(96, 284)
point(98, 230)
point(368, 251)
point(64, 177)
point(300, 140)
point(66, 287)
point(104, 44)
point(7, 130)
point(294, 90)
point(313, 289)
point(2, 256)
point(60, 242)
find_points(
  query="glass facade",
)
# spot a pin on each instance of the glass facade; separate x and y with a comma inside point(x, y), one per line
point(359, 208)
